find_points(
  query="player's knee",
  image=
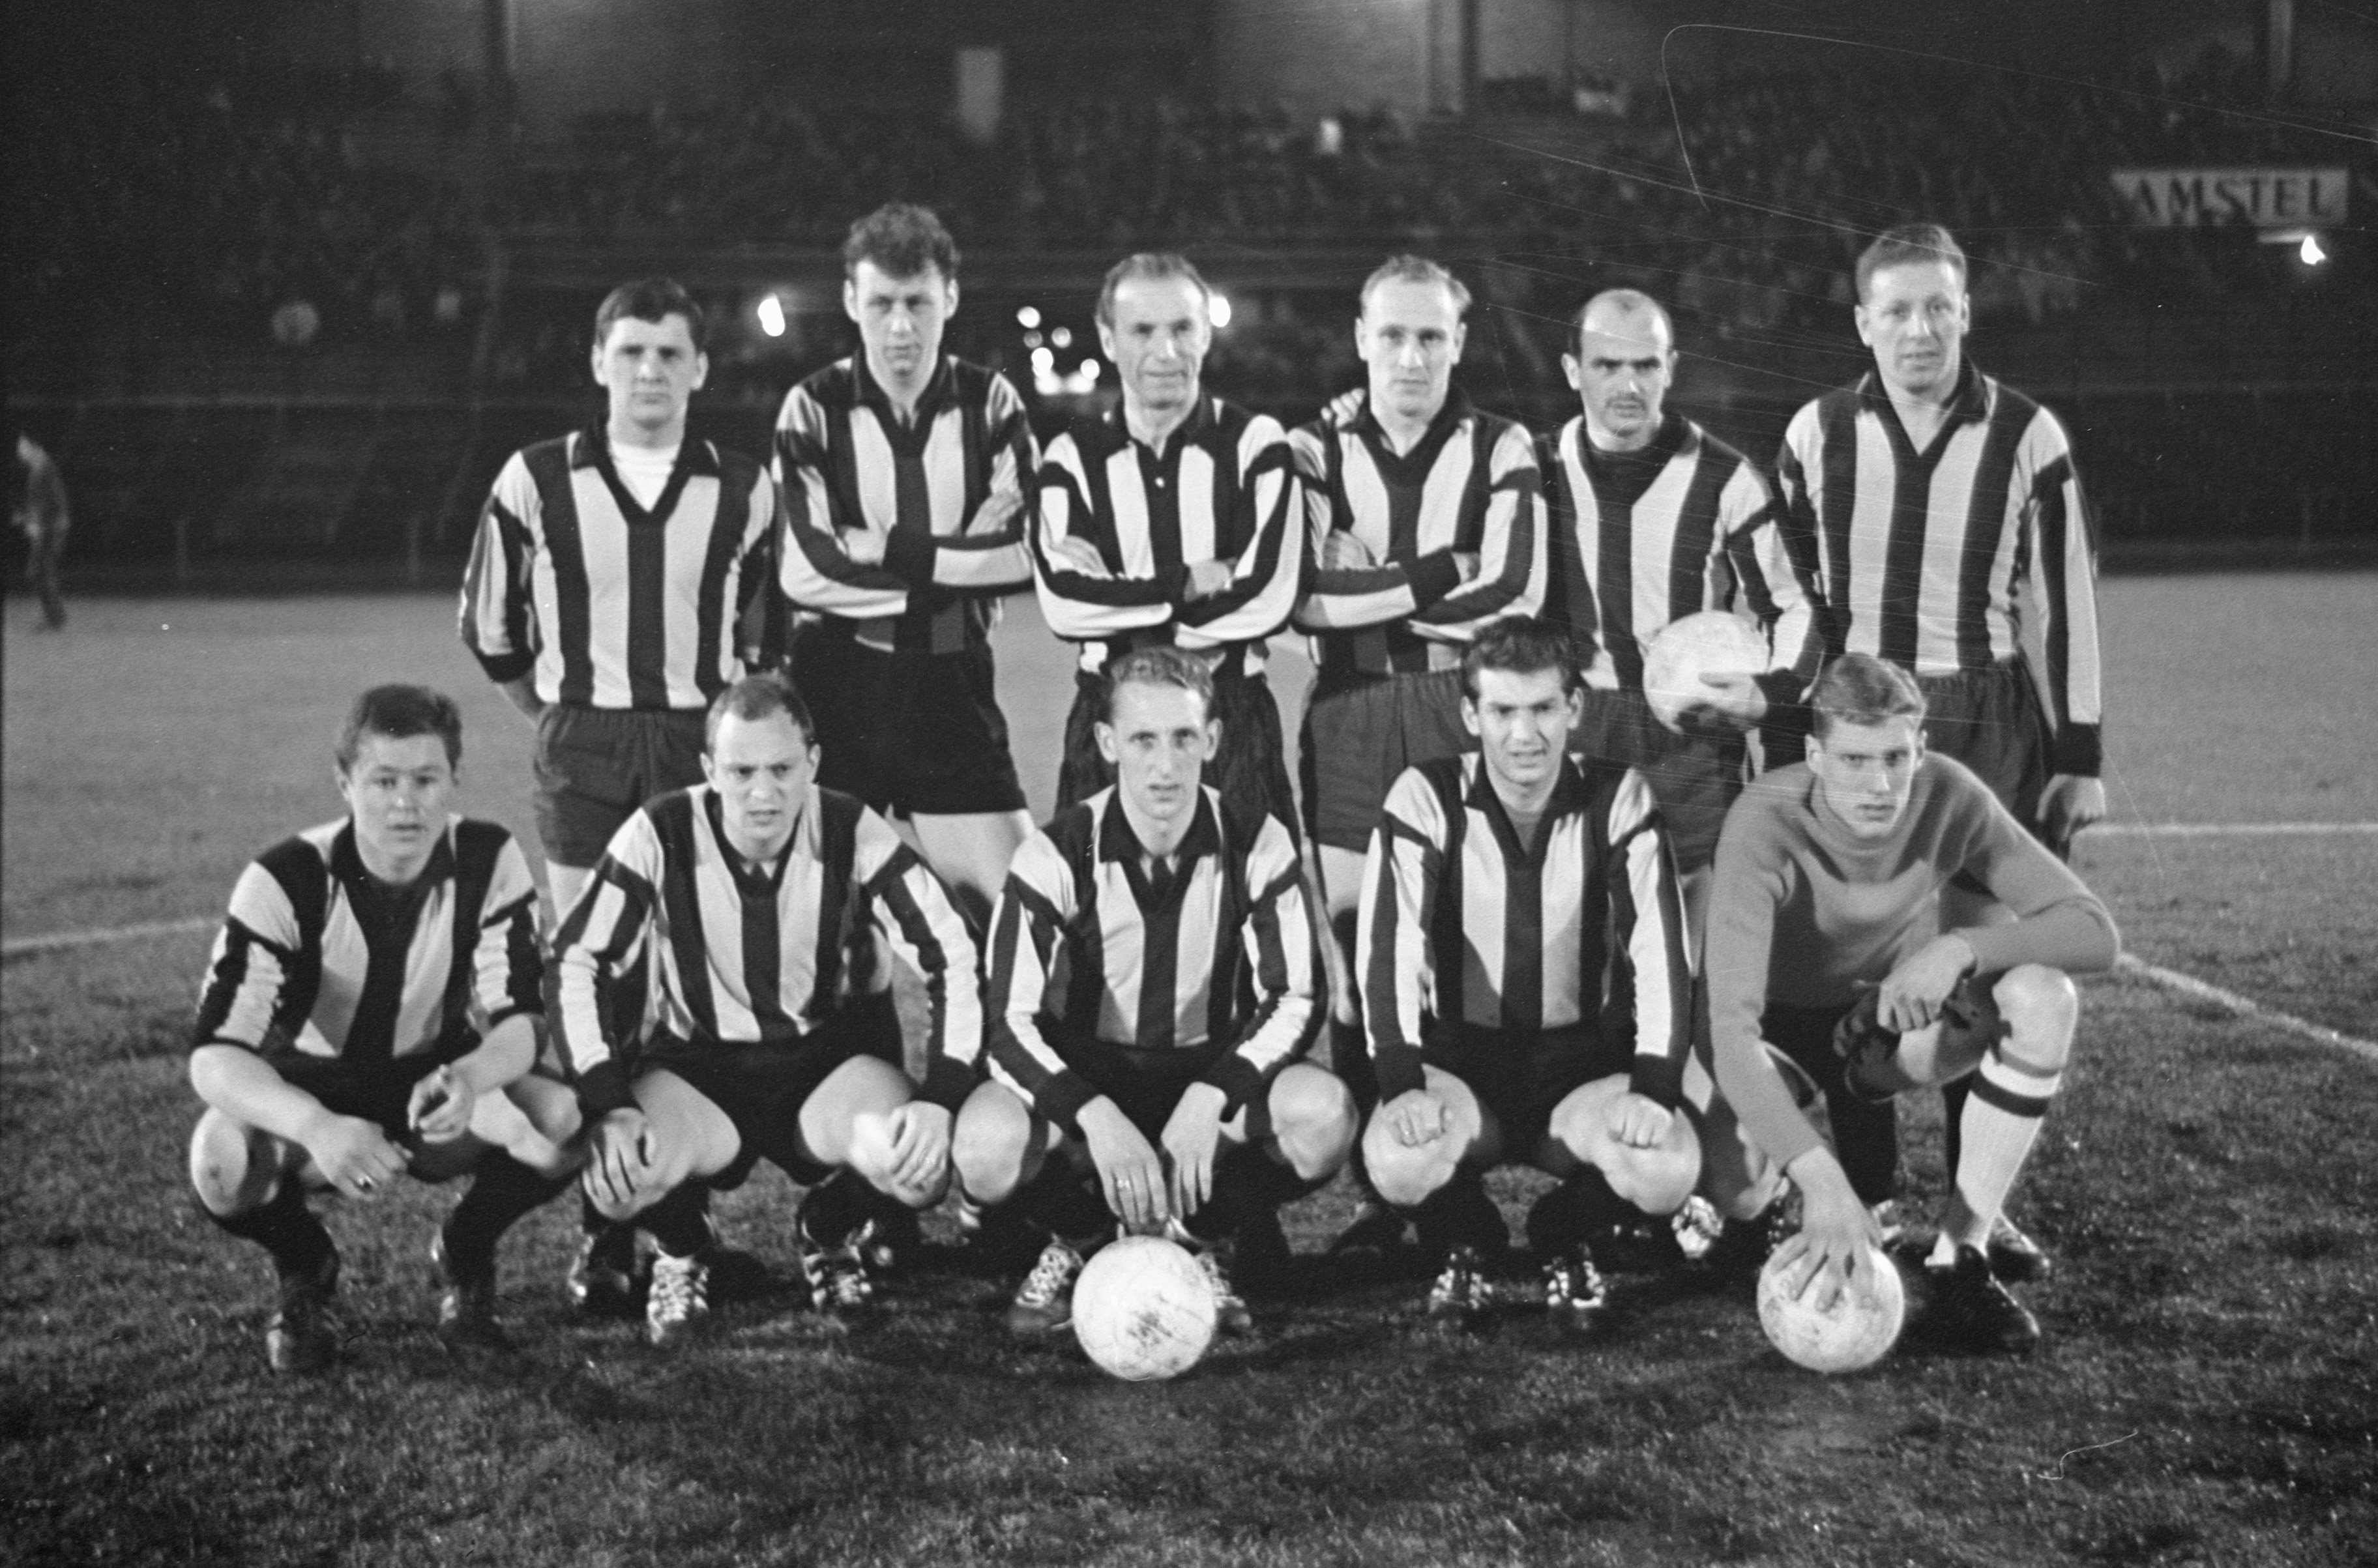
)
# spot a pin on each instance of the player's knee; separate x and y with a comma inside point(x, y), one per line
point(232, 1168)
point(1313, 1116)
point(990, 1143)
point(1658, 1180)
point(2042, 1006)
point(1402, 1175)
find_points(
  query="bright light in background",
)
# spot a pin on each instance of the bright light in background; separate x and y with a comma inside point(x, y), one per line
point(1049, 383)
point(1221, 311)
point(1043, 361)
point(772, 316)
point(2310, 252)
point(1028, 317)
point(1061, 336)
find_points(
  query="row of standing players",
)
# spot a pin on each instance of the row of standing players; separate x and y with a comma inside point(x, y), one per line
point(1525, 991)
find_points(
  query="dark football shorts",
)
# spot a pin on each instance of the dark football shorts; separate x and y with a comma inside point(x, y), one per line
point(1519, 1076)
point(1990, 721)
point(1694, 776)
point(380, 1095)
point(596, 766)
point(910, 733)
point(763, 1087)
point(1360, 733)
point(1249, 770)
point(1147, 1085)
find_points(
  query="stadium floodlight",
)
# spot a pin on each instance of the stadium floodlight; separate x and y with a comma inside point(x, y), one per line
point(2310, 252)
point(1028, 317)
point(772, 316)
point(1221, 311)
point(1061, 336)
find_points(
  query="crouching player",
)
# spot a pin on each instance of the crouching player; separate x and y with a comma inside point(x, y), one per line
point(1152, 987)
point(371, 1010)
point(1825, 948)
point(772, 909)
point(1525, 987)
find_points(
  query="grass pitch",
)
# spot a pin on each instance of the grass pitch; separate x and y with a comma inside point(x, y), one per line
point(2208, 1393)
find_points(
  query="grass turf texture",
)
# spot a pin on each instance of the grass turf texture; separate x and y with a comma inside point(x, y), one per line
point(2207, 1393)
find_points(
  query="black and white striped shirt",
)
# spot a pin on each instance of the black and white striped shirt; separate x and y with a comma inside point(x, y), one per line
point(612, 604)
point(743, 956)
point(1089, 945)
point(1968, 553)
point(1640, 539)
point(1460, 923)
point(948, 494)
point(318, 956)
point(1469, 487)
point(1223, 487)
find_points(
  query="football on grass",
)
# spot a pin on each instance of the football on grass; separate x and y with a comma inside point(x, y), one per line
point(1852, 1334)
point(1714, 643)
point(1143, 1308)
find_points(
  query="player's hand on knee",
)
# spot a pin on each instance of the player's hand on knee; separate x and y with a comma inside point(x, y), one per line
point(440, 1106)
point(1191, 1135)
point(1415, 1117)
point(1911, 995)
point(622, 1159)
point(355, 1155)
point(1131, 1175)
point(921, 1145)
point(1637, 1120)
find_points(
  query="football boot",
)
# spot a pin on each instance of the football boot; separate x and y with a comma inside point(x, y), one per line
point(603, 1276)
point(1576, 1296)
point(300, 1337)
point(677, 1305)
point(1971, 1310)
point(466, 1304)
point(1462, 1297)
point(1044, 1302)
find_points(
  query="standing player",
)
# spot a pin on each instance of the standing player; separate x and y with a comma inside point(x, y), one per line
point(1423, 519)
point(1166, 522)
point(372, 1009)
point(1652, 519)
point(904, 475)
point(610, 571)
point(37, 504)
point(1831, 879)
point(1944, 519)
point(770, 910)
point(1525, 986)
point(1151, 987)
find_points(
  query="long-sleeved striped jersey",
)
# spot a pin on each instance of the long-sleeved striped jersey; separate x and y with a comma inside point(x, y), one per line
point(614, 604)
point(948, 495)
point(318, 956)
point(1470, 487)
point(1970, 553)
point(743, 956)
point(1640, 539)
point(1222, 488)
point(1089, 945)
point(1460, 922)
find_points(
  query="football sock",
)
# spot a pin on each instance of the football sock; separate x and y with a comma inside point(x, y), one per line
point(284, 1227)
point(834, 1208)
point(502, 1189)
point(680, 1224)
point(1248, 1185)
point(1999, 1123)
point(1576, 1210)
point(1460, 1213)
point(1062, 1201)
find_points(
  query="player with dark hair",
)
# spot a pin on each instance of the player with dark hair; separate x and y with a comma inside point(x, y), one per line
point(1151, 989)
point(1653, 518)
point(1422, 524)
point(37, 504)
point(372, 1008)
point(770, 910)
point(1525, 987)
point(1944, 523)
point(1167, 522)
point(905, 474)
point(1831, 949)
point(612, 568)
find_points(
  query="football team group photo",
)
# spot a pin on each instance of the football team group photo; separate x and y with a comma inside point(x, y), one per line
point(1530, 814)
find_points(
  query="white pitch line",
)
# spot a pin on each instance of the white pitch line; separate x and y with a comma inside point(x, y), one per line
point(55, 940)
point(2245, 1007)
point(2224, 830)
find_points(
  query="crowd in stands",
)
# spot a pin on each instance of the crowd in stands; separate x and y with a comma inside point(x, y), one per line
point(223, 206)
